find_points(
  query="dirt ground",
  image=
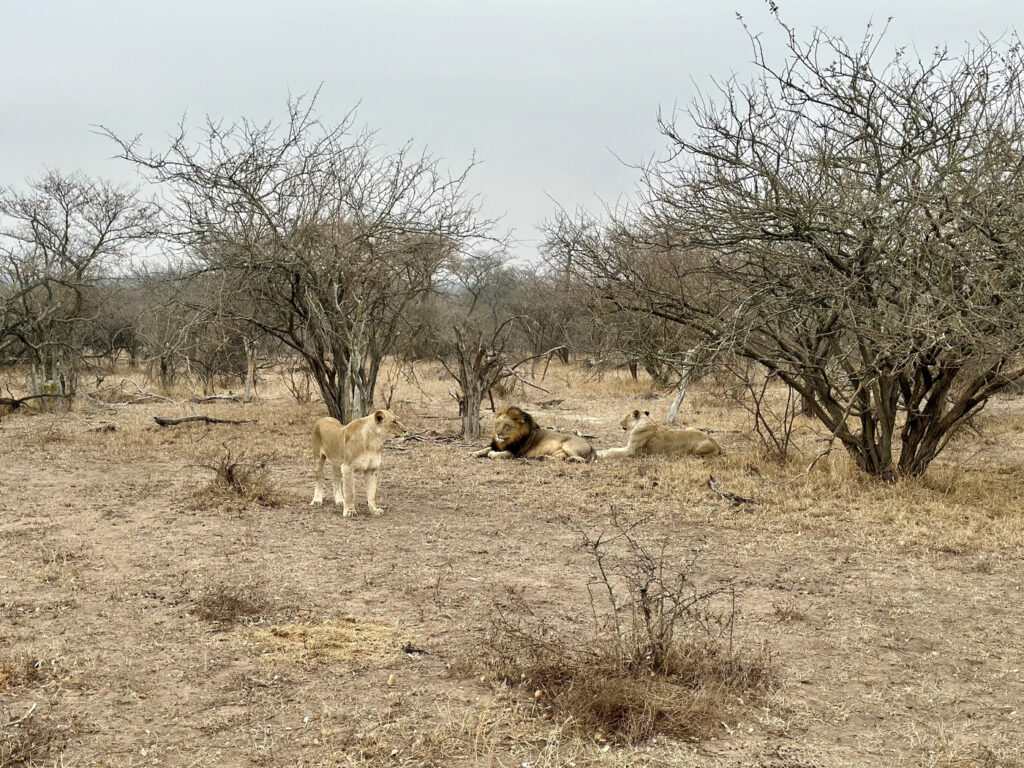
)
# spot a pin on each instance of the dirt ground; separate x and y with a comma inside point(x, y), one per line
point(147, 621)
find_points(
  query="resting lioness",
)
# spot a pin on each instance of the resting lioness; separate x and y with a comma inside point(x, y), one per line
point(647, 438)
point(517, 434)
point(352, 447)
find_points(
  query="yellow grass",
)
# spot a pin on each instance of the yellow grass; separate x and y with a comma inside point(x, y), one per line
point(336, 641)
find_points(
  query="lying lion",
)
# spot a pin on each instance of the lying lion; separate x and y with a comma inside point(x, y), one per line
point(517, 434)
point(352, 447)
point(647, 438)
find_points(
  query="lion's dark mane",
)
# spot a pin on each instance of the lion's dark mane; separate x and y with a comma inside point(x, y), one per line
point(521, 443)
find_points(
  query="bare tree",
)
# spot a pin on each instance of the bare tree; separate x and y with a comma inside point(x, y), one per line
point(854, 227)
point(57, 240)
point(480, 338)
point(327, 237)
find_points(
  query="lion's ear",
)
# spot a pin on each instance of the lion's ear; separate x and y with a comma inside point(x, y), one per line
point(378, 416)
point(636, 414)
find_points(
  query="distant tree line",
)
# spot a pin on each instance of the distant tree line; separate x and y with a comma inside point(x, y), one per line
point(848, 228)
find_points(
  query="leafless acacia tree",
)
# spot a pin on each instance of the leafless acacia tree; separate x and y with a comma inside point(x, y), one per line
point(480, 337)
point(854, 226)
point(327, 237)
point(57, 240)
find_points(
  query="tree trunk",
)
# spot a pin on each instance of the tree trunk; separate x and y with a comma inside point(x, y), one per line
point(250, 369)
point(469, 408)
point(673, 410)
point(334, 390)
point(684, 382)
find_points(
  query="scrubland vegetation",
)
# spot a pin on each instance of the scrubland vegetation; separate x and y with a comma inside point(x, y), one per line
point(825, 271)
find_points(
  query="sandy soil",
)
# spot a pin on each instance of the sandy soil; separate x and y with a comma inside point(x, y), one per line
point(894, 613)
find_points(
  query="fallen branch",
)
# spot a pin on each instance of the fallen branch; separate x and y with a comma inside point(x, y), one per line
point(16, 402)
point(166, 422)
point(22, 718)
point(144, 393)
point(435, 438)
point(208, 398)
point(727, 495)
point(512, 371)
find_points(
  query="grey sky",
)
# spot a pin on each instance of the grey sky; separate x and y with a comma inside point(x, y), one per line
point(543, 92)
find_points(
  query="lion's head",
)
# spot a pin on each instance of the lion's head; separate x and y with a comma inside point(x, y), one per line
point(630, 419)
point(512, 429)
point(387, 423)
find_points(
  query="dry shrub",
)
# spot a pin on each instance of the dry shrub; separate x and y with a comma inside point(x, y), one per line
point(33, 740)
point(48, 433)
point(18, 668)
point(298, 380)
point(229, 603)
point(242, 476)
point(660, 658)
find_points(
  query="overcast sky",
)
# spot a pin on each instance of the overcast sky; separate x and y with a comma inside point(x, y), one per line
point(547, 94)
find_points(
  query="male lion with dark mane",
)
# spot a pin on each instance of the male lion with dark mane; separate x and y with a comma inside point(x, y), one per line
point(516, 435)
point(352, 447)
point(647, 438)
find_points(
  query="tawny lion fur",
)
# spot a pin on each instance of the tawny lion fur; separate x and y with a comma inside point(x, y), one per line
point(516, 435)
point(352, 447)
point(647, 438)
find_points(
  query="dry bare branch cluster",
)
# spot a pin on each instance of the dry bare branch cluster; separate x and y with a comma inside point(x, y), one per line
point(327, 238)
point(852, 225)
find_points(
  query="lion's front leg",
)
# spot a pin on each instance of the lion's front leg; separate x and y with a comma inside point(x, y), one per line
point(609, 453)
point(370, 479)
point(481, 454)
point(348, 501)
point(500, 454)
point(318, 473)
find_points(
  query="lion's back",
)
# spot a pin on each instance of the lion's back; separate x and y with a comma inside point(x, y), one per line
point(662, 441)
point(326, 432)
point(547, 441)
point(346, 443)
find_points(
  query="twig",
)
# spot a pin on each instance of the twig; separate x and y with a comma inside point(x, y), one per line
point(208, 398)
point(100, 403)
point(511, 370)
point(23, 717)
point(551, 403)
point(166, 422)
point(144, 393)
point(727, 495)
point(440, 439)
point(16, 402)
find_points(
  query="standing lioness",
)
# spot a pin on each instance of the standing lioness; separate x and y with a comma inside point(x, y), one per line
point(352, 447)
point(647, 438)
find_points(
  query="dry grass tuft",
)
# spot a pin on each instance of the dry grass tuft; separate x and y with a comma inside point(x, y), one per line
point(584, 683)
point(18, 668)
point(660, 659)
point(29, 739)
point(229, 603)
point(238, 475)
point(332, 641)
point(49, 432)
